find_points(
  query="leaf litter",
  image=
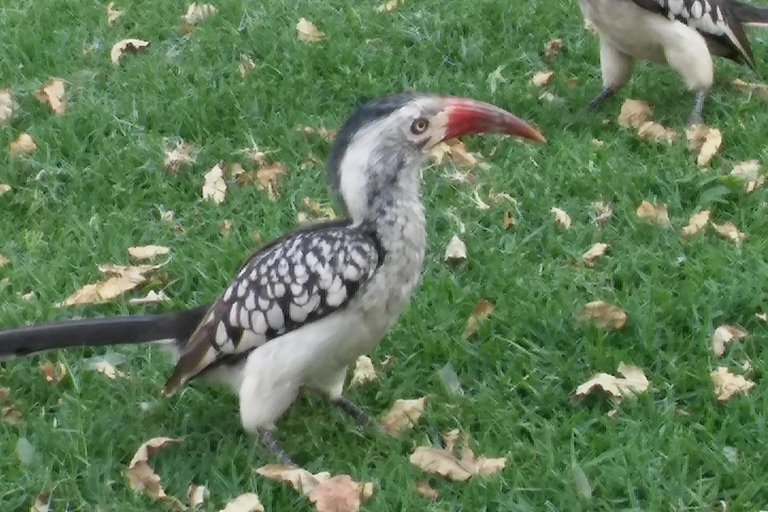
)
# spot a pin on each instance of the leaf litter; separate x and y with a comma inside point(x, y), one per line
point(594, 253)
point(696, 223)
point(749, 173)
point(455, 251)
point(127, 46)
point(654, 214)
point(456, 461)
point(307, 32)
point(603, 315)
point(120, 279)
point(24, 144)
point(724, 335)
point(633, 382)
point(143, 478)
point(480, 312)
point(214, 187)
point(364, 371)
point(403, 415)
point(52, 93)
point(562, 219)
point(728, 384)
point(637, 114)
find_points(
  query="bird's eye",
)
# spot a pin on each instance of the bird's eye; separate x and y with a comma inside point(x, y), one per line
point(419, 126)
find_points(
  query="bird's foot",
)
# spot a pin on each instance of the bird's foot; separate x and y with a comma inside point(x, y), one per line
point(600, 98)
point(358, 414)
point(267, 437)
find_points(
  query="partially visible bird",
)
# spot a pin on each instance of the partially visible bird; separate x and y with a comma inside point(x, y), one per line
point(683, 34)
point(306, 305)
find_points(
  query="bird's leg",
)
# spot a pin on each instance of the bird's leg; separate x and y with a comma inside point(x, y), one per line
point(698, 107)
point(267, 437)
point(606, 93)
point(357, 412)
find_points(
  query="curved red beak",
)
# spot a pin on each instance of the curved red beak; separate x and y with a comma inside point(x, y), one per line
point(466, 116)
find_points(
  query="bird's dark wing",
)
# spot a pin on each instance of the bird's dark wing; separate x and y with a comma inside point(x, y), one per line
point(716, 20)
point(297, 279)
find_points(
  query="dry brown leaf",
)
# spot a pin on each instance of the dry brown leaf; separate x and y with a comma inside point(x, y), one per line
point(480, 312)
point(197, 13)
point(4, 393)
point(308, 32)
point(427, 490)
point(724, 335)
point(763, 317)
point(197, 494)
point(455, 251)
point(322, 131)
point(729, 230)
point(318, 210)
point(10, 415)
point(654, 213)
point(761, 90)
point(214, 186)
point(403, 415)
point(4, 187)
point(248, 502)
point(126, 46)
point(542, 78)
point(508, 221)
point(340, 494)
point(53, 374)
point(562, 219)
point(457, 151)
point(178, 156)
point(141, 476)
point(267, 179)
point(597, 142)
point(728, 384)
point(603, 315)
point(389, 6)
point(7, 105)
point(52, 93)
point(656, 132)
point(364, 371)
point(594, 252)
point(705, 140)
point(41, 503)
point(152, 297)
point(107, 368)
point(601, 212)
point(697, 221)
point(635, 113)
point(446, 463)
point(552, 48)
point(3, 260)
point(749, 173)
point(146, 252)
point(633, 382)
point(121, 279)
point(246, 64)
point(112, 13)
point(23, 145)
point(301, 479)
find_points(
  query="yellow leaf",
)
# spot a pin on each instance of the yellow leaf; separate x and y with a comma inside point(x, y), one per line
point(724, 335)
point(455, 251)
point(121, 279)
point(633, 382)
point(728, 384)
point(594, 252)
point(541, 78)
point(308, 32)
point(299, 478)
point(562, 218)
point(447, 463)
point(364, 371)
point(653, 213)
point(635, 113)
point(267, 179)
point(481, 311)
point(126, 46)
point(698, 220)
point(52, 93)
point(248, 502)
point(112, 13)
point(704, 139)
point(730, 231)
point(403, 415)
point(214, 186)
point(23, 145)
point(603, 315)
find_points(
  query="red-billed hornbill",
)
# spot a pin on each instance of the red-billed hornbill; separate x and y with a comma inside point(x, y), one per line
point(681, 33)
point(306, 305)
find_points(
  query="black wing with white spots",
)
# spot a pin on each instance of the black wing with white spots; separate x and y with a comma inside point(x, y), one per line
point(286, 284)
point(716, 20)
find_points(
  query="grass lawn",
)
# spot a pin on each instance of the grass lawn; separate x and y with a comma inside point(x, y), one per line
point(96, 185)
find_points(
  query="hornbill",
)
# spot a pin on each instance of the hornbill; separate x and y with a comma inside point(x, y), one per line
point(681, 33)
point(307, 304)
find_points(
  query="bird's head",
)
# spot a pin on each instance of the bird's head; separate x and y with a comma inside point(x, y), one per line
point(381, 146)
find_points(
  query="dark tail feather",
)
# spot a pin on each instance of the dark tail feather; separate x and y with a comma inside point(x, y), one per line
point(751, 14)
point(94, 332)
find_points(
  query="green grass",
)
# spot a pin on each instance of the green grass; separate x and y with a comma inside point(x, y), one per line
point(94, 187)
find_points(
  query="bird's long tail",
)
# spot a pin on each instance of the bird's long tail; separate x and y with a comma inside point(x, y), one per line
point(176, 326)
point(751, 15)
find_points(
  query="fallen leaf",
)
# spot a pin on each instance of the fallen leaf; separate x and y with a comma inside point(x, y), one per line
point(364, 371)
point(697, 221)
point(3, 260)
point(761, 90)
point(103, 366)
point(446, 463)
point(226, 227)
point(403, 415)
point(763, 317)
point(181, 154)
point(508, 221)
point(340, 494)
point(246, 64)
point(635, 113)
point(481, 311)
point(141, 476)
point(322, 131)
point(749, 173)
point(197, 13)
point(41, 503)
point(53, 374)
point(52, 93)
point(146, 252)
point(10, 415)
point(601, 212)
point(562, 218)
point(541, 78)
point(4, 187)
point(214, 186)
point(4, 393)
point(427, 490)
point(633, 382)
point(653, 213)
point(730, 231)
point(389, 6)
point(552, 48)
point(724, 335)
point(7, 105)
point(594, 252)
point(126, 46)
point(23, 145)
point(728, 384)
point(318, 210)
point(704, 139)
point(197, 494)
point(267, 179)
point(121, 279)
point(455, 251)
point(603, 315)
point(597, 142)
point(299, 478)
point(112, 13)
point(248, 502)
point(656, 132)
point(152, 297)
point(308, 32)
point(547, 96)
point(457, 151)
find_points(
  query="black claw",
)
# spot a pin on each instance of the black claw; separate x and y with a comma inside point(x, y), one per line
point(600, 98)
point(268, 438)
